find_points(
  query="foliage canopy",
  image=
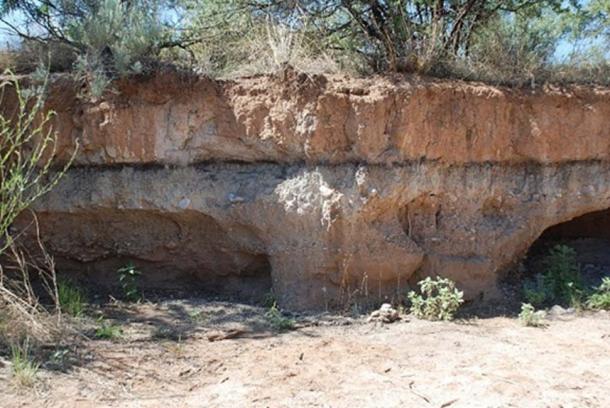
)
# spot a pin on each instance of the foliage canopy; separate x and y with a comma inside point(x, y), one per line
point(511, 41)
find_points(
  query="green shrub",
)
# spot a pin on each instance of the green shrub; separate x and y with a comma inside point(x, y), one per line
point(128, 280)
point(439, 299)
point(511, 50)
point(27, 147)
point(600, 299)
point(101, 40)
point(560, 282)
point(108, 331)
point(562, 274)
point(118, 40)
point(28, 170)
point(479, 39)
point(24, 369)
point(277, 320)
point(71, 298)
point(529, 317)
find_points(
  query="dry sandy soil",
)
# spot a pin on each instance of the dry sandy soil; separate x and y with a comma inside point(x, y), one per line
point(166, 359)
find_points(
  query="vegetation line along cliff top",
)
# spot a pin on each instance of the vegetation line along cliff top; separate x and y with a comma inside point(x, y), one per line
point(518, 42)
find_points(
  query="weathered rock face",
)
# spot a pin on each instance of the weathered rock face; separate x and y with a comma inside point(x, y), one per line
point(322, 189)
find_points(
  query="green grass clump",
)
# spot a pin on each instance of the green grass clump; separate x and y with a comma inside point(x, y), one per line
point(108, 331)
point(24, 369)
point(71, 299)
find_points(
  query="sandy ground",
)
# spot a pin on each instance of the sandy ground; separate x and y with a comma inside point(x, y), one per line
point(166, 359)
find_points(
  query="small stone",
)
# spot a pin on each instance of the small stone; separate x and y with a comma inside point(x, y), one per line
point(184, 203)
point(557, 311)
point(326, 191)
point(374, 316)
point(385, 314)
point(233, 198)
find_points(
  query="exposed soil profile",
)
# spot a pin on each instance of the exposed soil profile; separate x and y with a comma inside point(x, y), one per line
point(321, 188)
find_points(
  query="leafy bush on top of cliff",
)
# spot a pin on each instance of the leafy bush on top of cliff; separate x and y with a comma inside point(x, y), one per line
point(439, 299)
point(108, 39)
point(246, 41)
point(500, 41)
point(118, 39)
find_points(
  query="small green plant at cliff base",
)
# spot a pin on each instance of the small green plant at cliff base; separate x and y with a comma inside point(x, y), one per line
point(71, 299)
point(529, 317)
point(277, 320)
point(535, 291)
point(269, 300)
point(562, 275)
point(197, 316)
point(600, 299)
point(560, 283)
point(128, 279)
point(439, 299)
point(24, 369)
point(108, 331)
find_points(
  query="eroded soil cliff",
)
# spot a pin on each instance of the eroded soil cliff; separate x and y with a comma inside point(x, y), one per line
point(321, 189)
